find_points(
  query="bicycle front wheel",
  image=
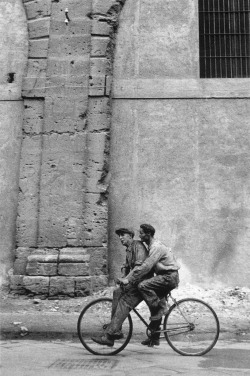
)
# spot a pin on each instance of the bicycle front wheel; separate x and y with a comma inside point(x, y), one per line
point(94, 320)
point(191, 327)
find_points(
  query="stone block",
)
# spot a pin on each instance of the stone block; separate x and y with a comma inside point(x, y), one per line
point(47, 258)
point(16, 284)
point(39, 28)
point(30, 166)
point(96, 146)
point(26, 226)
point(98, 261)
point(41, 268)
point(99, 66)
point(83, 286)
point(100, 28)
point(29, 189)
point(34, 82)
point(36, 285)
point(93, 182)
point(21, 260)
point(76, 26)
point(99, 106)
point(33, 118)
point(38, 48)
point(99, 46)
point(63, 115)
point(34, 86)
point(62, 286)
point(73, 45)
point(96, 86)
point(99, 282)
point(95, 220)
point(102, 6)
point(72, 74)
point(76, 9)
point(99, 122)
point(38, 8)
point(108, 85)
point(73, 269)
point(73, 255)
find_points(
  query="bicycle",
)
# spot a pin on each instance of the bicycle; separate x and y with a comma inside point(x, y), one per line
point(191, 327)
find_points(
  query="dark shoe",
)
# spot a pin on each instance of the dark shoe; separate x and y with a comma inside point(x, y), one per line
point(104, 340)
point(151, 342)
point(117, 335)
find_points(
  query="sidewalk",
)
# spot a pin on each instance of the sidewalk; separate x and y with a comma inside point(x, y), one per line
point(36, 318)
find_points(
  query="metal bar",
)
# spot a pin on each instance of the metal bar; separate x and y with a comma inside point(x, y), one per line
point(209, 41)
point(204, 38)
point(245, 44)
point(240, 41)
point(224, 39)
point(219, 38)
point(246, 40)
point(230, 43)
point(234, 42)
point(140, 317)
point(215, 42)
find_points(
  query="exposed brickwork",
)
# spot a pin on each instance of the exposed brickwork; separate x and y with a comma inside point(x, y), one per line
point(63, 212)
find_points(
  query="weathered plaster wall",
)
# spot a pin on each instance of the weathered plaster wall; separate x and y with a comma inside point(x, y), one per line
point(184, 167)
point(13, 57)
point(158, 39)
point(180, 145)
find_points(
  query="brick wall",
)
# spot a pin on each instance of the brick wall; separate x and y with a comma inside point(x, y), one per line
point(64, 173)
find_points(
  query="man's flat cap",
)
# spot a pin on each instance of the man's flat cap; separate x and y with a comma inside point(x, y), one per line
point(124, 230)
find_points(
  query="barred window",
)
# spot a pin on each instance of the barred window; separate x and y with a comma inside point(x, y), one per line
point(224, 38)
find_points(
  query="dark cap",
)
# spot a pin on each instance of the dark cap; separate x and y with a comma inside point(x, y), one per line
point(125, 231)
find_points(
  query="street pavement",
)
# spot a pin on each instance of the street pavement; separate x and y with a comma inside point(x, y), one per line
point(24, 357)
point(39, 337)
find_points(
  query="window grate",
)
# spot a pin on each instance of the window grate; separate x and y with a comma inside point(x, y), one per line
point(224, 38)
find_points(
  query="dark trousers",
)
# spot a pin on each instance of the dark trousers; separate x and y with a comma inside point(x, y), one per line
point(151, 290)
point(157, 287)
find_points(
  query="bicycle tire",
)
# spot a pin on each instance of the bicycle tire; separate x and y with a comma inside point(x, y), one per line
point(191, 327)
point(93, 320)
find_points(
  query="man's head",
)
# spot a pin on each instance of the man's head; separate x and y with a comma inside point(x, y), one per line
point(146, 233)
point(126, 235)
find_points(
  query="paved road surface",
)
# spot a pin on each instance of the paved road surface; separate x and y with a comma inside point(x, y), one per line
point(24, 357)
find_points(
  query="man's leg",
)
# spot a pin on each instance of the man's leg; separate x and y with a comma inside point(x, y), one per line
point(154, 340)
point(117, 293)
point(127, 301)
point(154, 291)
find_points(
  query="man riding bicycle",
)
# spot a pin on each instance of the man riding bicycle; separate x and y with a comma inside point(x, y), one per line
point(136, 253)
point(153, 290)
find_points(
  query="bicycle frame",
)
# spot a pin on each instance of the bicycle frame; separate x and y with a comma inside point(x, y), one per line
point(189, 327)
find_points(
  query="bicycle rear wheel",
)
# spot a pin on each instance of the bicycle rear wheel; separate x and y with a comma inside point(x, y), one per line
point(93, 320)
point(191, 327)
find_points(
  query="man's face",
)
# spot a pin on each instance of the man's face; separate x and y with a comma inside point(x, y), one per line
point(126, 239)
point(144, 237)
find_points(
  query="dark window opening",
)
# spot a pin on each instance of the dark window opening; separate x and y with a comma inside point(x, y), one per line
point(11, 78)
point(224, 38)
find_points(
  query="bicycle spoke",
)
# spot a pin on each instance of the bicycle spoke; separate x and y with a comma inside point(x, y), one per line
point(94, 320)
point(199, 335)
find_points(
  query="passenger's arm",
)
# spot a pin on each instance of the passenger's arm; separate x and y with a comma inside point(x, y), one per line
point(137, 274)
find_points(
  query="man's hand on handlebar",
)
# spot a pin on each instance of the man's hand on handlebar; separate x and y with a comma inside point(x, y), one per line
point(122, 281)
